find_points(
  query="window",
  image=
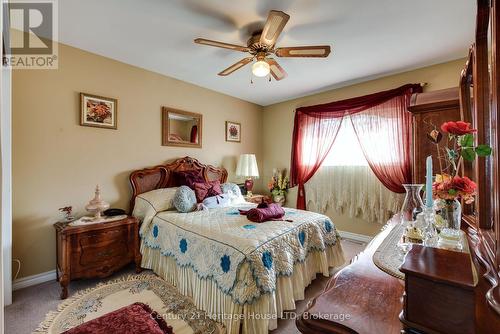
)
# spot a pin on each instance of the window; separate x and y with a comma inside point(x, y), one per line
point(346, 150)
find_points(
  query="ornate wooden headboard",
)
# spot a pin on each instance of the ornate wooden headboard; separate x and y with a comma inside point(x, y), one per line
point(158, 177)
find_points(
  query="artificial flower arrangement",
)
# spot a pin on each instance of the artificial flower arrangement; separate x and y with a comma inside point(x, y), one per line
point(449, 186)
point(279, 183)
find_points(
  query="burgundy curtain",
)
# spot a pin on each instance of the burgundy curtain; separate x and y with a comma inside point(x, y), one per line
point(382, 124)
point(384, 134)
point(194, 134)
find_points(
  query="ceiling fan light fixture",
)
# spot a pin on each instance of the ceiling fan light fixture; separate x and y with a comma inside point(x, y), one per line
point(260, 68)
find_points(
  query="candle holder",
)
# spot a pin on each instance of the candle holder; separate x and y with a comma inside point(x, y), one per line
point(429, 231)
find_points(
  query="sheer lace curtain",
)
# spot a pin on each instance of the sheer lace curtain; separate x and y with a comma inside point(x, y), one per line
point(354, 191)
point(346, 183)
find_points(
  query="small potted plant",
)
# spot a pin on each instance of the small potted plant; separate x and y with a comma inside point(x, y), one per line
point(278, 186)
point(449, 187)
point(67, 212)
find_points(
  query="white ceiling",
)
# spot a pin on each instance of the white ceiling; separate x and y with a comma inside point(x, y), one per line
point(369, 37)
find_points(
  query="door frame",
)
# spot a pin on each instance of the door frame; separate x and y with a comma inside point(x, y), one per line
point(5, 177)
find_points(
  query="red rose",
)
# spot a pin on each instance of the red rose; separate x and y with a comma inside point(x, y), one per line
point(449, 188)
point(458, 128)
point(463, 185)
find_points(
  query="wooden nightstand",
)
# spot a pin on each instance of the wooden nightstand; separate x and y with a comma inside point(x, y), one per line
point(95, 250)
point(255, 198)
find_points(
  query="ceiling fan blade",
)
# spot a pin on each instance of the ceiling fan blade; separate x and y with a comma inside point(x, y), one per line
point(320, 51)
point(277, 71)
point(221, 44)
point(274, 26)
point(236, 66)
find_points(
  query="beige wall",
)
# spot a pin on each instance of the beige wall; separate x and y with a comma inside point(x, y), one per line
point(278, 124)
point(57, 162)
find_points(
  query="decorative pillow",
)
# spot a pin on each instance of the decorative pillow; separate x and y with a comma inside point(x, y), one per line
point(233, 191)
point(207, 189)
point(160, 199)
point(135, 318)
point(185, 199)
point(219, 201)
point(187, 178)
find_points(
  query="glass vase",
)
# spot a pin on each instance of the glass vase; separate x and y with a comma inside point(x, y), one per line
point(412, 204)
point(279, 199)
point(451, 212)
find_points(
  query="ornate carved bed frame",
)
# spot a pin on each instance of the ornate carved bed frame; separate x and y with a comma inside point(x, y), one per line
point(147, 179)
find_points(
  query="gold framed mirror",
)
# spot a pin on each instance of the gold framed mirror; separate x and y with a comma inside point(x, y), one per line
point(181, 128)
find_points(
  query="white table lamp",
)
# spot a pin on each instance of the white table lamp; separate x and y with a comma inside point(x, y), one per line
point(247, 167)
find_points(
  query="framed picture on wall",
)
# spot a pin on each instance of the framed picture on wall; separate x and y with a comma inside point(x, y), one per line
point(233, 131)
point(98, 111)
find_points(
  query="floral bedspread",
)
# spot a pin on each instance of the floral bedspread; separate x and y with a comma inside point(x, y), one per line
point(242, 257)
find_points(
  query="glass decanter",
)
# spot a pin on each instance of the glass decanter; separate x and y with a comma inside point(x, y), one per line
point(412, 204)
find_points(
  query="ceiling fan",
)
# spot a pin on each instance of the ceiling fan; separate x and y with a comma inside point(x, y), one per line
point(262, 44)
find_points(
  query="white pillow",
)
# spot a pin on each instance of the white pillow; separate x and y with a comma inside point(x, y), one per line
point(233, 191)
point(160, 199)
point(219, 201)
point(148, 204)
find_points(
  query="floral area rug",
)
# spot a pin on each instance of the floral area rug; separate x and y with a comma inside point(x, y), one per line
point(177, 310)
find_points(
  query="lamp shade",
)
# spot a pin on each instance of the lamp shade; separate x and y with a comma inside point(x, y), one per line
point(247, 166)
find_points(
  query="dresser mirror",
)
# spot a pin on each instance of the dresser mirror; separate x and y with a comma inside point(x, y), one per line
point(181, 128)
point(479, 98)
point(466, 108)
point(476, 102)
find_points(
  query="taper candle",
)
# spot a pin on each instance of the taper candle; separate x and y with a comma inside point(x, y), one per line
point(428, 183)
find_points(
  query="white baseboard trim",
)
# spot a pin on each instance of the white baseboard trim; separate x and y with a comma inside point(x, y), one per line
point(27, 281)
point(355, 237)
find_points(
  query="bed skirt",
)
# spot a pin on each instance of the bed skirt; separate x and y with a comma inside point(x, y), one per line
point(258, 317)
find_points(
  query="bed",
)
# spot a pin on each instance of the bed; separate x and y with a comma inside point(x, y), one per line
point(244, 275)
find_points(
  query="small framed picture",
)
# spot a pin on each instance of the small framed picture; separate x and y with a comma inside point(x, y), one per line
point(233, 131)
point(98, 111)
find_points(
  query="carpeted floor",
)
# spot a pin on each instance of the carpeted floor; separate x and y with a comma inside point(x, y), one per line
point(31, 304)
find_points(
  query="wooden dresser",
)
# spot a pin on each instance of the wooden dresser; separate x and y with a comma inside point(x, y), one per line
point(360, 298)
point(439, 291)
point(95, 250)
point(363, 299)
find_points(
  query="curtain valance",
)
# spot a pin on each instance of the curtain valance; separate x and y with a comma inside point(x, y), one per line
point(354, 105)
